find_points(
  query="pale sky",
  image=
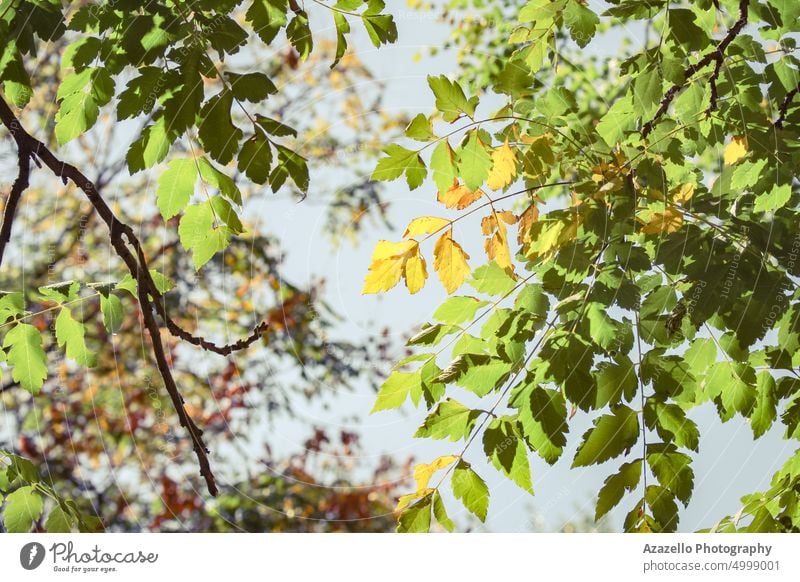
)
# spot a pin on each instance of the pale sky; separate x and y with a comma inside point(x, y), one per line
point(730, 463)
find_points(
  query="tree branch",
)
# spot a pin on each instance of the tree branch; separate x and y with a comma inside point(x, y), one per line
point(716, 55)
point(119, 233)
point(17, 189)
point(782, 110)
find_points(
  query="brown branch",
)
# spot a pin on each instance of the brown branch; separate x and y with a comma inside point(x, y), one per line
point(783, 109)
point(716, 55)
point(17, 189)
point(195, 432)
point(119, 232)
point(117, 229)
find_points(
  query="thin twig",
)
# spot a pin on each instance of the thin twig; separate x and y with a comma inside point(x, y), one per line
point(716, 55)
point(784, 106)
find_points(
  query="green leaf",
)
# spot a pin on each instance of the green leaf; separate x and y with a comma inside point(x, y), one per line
point(381, 28)
point(11, 305)
point(450, 420)
point(483, 378)
point(290, 165)
point(252, 87)
point(299, 34)
point(492, 279)
point(255, 158)
point(532, 300)
point(226, 186)
point(602, 329)
point(225, 212)
point(276, 128)
point(700, 355)
point(440, 513)
point(113, 316)
point(61, 292)
point(747, 173)
point(81, 95)
point(416, 518)
point(611, 435)
point(267, 18)
point(431, 335)
point(443, 166)
point(176, 186)
point(507, 452)
point(671, 424)
point(70, 333)
point(672, 469)
point(217, 132)
point(138, 96)
point(734, 384)
point(342, 29)
point(470, 489)
point(23, 507)
point(691, 103)
point(21, 468)
point(774, 199)
point(420, 129)
point(647, 91)
point(615, 486)
point(199, 234)
point(617, 121)
point(515, 79)
point(394, 391)
point(400, 161)
point(458, 309)
point(26, 357)
point(542, 418)
point(474, 161)
point(580, 21)
point(615, 381)
point(59, 521)
point(662, 504)
point(450, 98)
point(764, 412)
point(151, 148)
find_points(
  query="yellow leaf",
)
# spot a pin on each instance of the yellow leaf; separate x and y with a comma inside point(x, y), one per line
point(489, 224)
point(735, 150)
point(424, 471)
point(459, 196)
point(386, 249)
point(450, 262)
point(683, 193)
point(415, 272)
point(383, 275)
point(668, 221)
point(496, 245)
point(550, 235)
point(526, 220)
point(388, 262)
point(504, 167)
point(425, 225)
point(497, 248)
point(405, 500)
point(507, 216)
